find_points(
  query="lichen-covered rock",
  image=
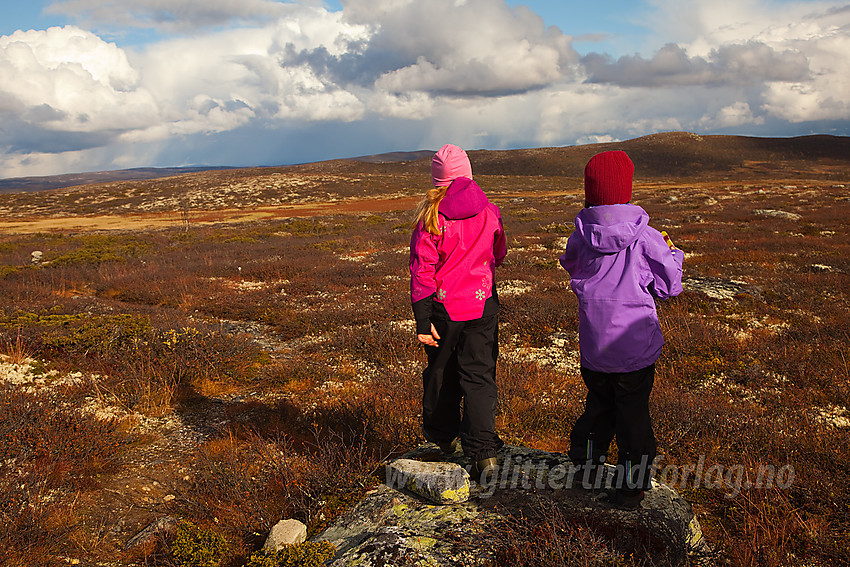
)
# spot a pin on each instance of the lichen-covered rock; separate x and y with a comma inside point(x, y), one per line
point(392, 526)
point(441, 483)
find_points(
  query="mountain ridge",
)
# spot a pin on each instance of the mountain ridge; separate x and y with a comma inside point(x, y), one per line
point(666, 155)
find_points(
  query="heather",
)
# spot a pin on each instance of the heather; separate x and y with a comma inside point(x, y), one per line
point(231, 374)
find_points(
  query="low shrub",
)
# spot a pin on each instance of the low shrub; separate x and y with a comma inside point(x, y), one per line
point(52, 453)
point(306, 554)
point(198, 547)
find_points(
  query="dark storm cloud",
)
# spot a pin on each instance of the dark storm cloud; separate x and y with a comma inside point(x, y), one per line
point(168, 14)
point(20, 137)
point(358, 65)
point(737, 64)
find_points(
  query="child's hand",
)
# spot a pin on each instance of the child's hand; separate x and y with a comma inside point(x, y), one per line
point(668, 241)
point(430, 340)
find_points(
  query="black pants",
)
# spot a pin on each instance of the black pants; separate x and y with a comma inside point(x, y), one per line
point(617, 404)
point(463, 368)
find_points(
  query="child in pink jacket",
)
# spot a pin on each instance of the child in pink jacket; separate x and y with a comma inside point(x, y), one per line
point(457, 242)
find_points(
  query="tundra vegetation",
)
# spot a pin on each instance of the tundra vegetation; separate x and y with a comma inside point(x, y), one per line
point(232, 374)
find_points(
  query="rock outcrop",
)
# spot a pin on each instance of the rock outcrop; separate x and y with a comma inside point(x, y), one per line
point(392, 525)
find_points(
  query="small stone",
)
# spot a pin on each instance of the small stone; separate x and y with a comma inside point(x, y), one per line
point(777, 214)
point(168, 498)
point(441, 483)
point(286, 532)
point(37, 256)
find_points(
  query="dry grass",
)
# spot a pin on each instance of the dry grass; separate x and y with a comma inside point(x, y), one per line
point(264, 369)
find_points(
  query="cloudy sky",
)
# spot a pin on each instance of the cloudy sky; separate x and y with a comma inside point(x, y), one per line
point(106, 84)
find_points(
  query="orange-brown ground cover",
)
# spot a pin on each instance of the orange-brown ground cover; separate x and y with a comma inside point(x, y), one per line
point(236, 373)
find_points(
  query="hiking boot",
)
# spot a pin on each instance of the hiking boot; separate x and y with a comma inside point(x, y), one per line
point(591, 477)
point(626, 499)
point(449, 447)
point(484, 467)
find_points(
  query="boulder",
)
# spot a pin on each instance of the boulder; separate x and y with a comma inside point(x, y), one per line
point(286, 532)
point(440, 483)
point(394, 525)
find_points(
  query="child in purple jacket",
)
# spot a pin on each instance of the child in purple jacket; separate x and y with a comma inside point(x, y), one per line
point(457, 242)
point(618, 266)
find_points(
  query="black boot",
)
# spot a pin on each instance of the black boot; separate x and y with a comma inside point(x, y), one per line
point(483, 468)
point(449, 447)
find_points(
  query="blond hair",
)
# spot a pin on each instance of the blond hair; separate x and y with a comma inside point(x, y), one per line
point(428, 210)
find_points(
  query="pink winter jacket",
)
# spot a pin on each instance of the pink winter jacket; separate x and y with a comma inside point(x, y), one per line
point(457, 267)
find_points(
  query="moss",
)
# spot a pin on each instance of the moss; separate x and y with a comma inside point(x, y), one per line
point(6, 270)
point(374, 220)
point(336, 505)
point(100, 333)
point(38, 368)
point(333, 245)
point(306, 554)
point(558, 228)
point(305, 227)
point(240, 240)
point(198, 547)
point(101, 249)
point(546, 263)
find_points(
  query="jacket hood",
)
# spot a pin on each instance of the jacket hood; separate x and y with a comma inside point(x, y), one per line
point(611, 228)
point(464, 199)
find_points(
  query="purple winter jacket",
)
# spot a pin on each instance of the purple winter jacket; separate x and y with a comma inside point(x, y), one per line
point(618, 264)
point(457, 267)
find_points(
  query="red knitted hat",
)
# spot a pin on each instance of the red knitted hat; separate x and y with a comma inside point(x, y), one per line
point(608, 179)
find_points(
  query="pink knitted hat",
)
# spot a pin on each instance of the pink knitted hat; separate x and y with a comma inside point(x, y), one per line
point(608, 179)
point(449, 163)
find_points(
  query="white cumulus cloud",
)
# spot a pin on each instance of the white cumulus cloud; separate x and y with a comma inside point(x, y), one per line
point(68, 79)
point(480, 72)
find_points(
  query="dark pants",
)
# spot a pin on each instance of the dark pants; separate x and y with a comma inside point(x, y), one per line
point(617, 404)
point(463, 368)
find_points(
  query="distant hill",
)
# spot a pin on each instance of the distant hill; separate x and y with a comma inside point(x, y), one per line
point(669, 155)
point(28, 184)
point(665, 156)
point(675, 155)
point(396, 157)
